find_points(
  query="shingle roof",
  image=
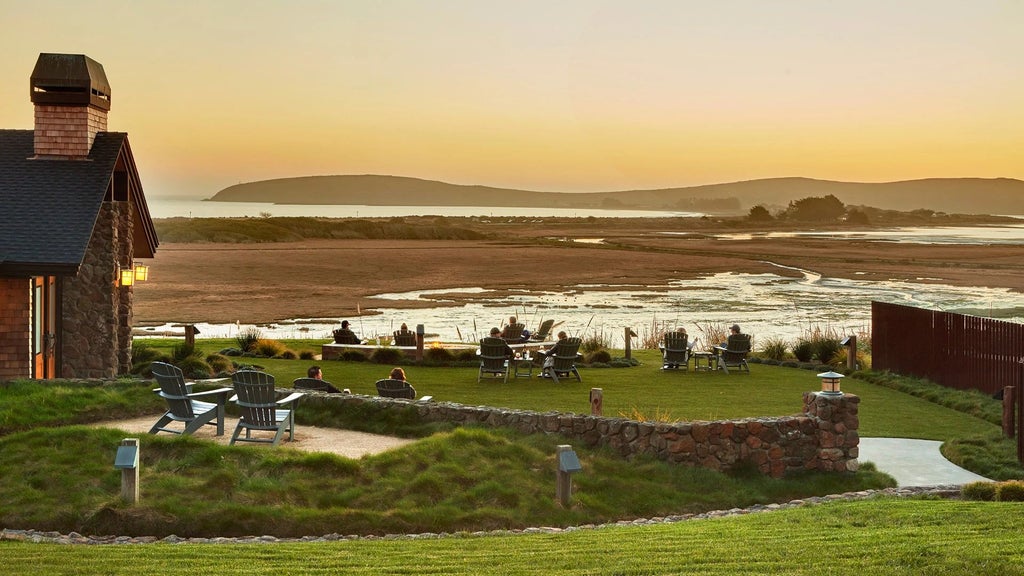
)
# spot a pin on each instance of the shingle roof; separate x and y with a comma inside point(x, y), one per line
point(48, 207)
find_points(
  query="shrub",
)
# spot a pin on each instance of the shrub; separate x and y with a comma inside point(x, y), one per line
point(602, 356)
point(219, 363)
point(268, 348)
point(595, 341)
point(231, 352)
point(353, 356)
point(248, 338)
point(289, 355)
point(979, 491)
point(194, 367)
point(386, 356)
point(826, 349)
point(466, 356)
point(307, 355)
point(1010, 491)
point(438, 355)
point(774, 348)
point(803, 350)
point(142, 357)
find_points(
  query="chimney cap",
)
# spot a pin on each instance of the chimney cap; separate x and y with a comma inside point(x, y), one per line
point(72, 79)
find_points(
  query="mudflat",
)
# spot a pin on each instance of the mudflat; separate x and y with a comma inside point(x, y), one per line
point(251, 283)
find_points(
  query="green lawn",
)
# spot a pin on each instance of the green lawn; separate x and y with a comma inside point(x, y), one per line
point(862, 538)
point(644, 390)
point(439, 479)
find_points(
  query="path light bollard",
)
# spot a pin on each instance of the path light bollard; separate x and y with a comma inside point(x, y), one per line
point(596, 401)
point(127, 460)
point(851, 352)
point(420, 331)
point(568, 463)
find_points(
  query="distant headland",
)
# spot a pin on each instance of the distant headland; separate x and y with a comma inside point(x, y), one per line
point(951, 195)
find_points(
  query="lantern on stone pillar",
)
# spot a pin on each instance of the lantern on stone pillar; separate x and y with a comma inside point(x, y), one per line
point(127, 276)
point(830, 383)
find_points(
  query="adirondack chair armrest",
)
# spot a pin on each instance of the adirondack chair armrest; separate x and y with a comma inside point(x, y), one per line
point(425, 398)
point(721, 348)
point(290, 398)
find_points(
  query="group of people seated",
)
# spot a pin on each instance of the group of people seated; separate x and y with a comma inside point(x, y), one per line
point(736, 342)
point(317, 373)
point(548, 354)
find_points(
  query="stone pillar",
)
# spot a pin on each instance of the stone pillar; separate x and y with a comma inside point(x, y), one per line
point(838, 437)
point(96, 311)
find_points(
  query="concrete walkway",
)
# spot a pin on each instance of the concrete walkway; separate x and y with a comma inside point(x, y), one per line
point(914, 462)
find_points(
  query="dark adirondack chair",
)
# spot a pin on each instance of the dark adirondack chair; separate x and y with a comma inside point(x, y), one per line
point(314, 384)
point(260, 409)
point(183, 405)
point(565, 355)
point(543, 331)
point(675, 353)
point(513, 333)
point(493, 358)
point(405, 338)
point(734, 353)
point(391, 388)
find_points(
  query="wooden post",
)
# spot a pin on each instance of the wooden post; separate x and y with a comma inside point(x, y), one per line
point(420, 331)
point(563, 485)
point(1020, 411)
point(190, 334)
point(851, 353)
point(596, 401)
point(1009, 403)
point(130, 476)
point(629, 342)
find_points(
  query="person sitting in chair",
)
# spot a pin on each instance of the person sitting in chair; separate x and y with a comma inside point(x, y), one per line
point(316, 373)
point(549, 354)
point(509, 352)
point(345, 335)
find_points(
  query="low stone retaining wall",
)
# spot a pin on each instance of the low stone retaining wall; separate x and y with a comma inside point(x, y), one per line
point(824, 437)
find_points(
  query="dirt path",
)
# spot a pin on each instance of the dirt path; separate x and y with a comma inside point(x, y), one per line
point(346, 443)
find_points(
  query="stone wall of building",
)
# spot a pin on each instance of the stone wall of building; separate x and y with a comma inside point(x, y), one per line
point(824, 437)
point(16, 319)
point(96, 310)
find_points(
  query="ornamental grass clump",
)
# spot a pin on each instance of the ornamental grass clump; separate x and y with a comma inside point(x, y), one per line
point(1010, 491)
point(774, 348)
point(248, 338)
point(985, 491)
point(268, 348)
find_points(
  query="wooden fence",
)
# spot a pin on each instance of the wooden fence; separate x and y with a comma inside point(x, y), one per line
point(954, 350)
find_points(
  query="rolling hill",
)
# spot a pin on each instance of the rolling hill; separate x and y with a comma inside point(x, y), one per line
point(951, 195)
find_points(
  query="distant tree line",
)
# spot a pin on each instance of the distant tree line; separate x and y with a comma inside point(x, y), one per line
point(811, 209)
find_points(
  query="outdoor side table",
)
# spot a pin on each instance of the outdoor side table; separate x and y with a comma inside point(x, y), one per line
point(706, 357)
point(522, 367)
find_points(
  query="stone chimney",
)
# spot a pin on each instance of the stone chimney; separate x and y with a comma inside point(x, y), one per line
point(71, 97)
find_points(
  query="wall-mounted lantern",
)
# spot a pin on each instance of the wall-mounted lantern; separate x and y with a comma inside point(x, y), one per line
point(127, 276)
point(141, 272)
point(830, 383)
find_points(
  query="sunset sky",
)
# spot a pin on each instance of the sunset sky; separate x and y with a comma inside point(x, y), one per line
point(558, 95)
